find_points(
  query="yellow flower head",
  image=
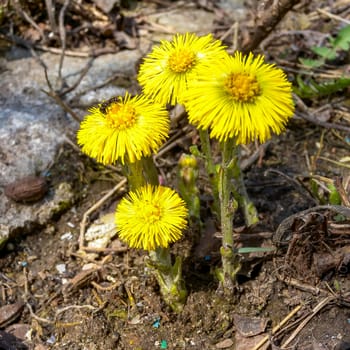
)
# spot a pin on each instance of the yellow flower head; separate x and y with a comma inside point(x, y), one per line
point(123, 128)
point(151, 217)
point(240, 97)
point(166, 70)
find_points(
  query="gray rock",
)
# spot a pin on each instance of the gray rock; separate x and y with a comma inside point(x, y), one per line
point(235, 9)
point(33, 126)
point(181, 21)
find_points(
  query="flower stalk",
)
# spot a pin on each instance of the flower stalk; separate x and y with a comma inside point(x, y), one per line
point(169, 277)
point(210, 168)
point(140, 173)
point(240, 192)
point(228, 207)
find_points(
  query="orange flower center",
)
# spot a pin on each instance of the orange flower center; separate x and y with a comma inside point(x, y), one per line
point(151, 212)
point(181, 61)
point(120, 116)
point(243, 87)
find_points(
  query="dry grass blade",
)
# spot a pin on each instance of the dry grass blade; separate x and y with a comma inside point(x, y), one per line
point(315, 310)
point(278, 327)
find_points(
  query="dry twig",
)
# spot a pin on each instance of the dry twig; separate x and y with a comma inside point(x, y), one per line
point(331, 15)
point(50, 9)
point(302, 286)
point(257, 155)
point(267, 21)
point(286, 224)
point(305, 114)
point(92, 209)
point(62, 32)
point(29, 19)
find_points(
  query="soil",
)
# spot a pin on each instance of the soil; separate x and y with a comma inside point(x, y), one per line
point(112, 300)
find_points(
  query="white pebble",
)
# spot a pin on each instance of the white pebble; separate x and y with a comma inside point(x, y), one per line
point(61, 268)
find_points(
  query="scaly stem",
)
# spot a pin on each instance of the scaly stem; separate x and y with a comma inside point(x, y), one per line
point(141, 172)
point(210, 168)
point(240, 193)
point(169, 278)
point(228, 206)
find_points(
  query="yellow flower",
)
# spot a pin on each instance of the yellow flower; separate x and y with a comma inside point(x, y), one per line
point(151, 217)
point(240, 97)
point(123, 128)
point(166, 70)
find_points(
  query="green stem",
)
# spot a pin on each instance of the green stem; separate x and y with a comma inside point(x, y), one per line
point(230, 264)
point(169, 278)
point(241, 194)
point(210, 168)
point(141, 172)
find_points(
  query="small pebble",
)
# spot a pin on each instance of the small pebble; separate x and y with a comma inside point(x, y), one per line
point(67, 236)
point(9, 313)
point(61, 268)
point(156, 323)
point(51, 340)
point(19, 330)
point(224, 344)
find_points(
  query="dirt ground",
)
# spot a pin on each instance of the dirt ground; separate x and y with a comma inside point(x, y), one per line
point(296, 297)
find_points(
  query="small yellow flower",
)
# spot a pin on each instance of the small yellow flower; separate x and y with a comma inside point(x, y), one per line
point(151, 217)
point(166, 70)
point(124, 128)
point(240, 97)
